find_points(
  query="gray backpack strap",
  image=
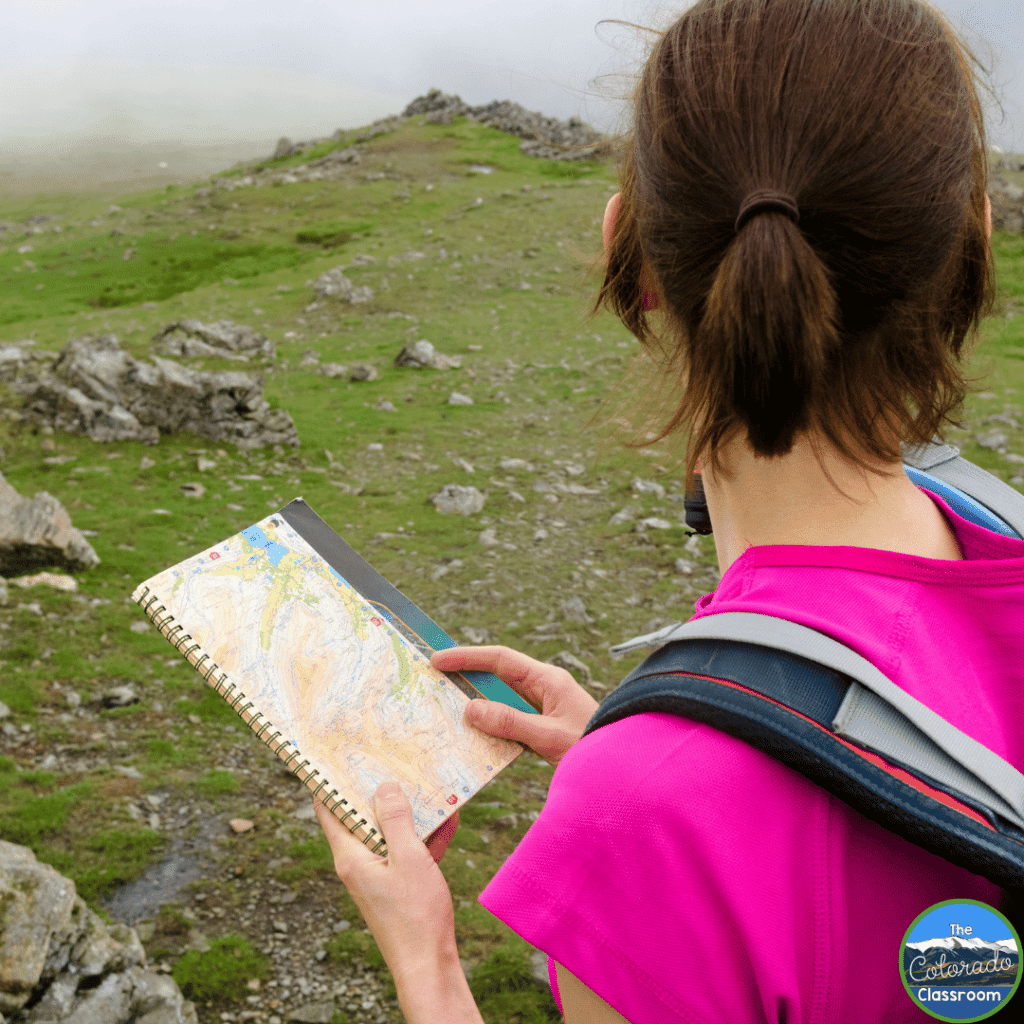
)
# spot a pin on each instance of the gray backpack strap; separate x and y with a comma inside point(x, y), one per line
point(875, 713)
point(945, 462)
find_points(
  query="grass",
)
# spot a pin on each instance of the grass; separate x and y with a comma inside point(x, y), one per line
point(537, 370)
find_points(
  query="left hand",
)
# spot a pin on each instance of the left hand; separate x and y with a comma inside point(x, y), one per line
point(403, 898)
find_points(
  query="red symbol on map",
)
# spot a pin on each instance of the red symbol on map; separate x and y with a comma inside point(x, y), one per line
point(453, 799)
point(213, 554)
point(376, 621)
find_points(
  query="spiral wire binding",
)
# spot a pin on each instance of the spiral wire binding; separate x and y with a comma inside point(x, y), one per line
point(332, 799)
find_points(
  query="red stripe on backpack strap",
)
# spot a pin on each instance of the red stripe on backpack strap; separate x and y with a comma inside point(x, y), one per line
point(869, 755)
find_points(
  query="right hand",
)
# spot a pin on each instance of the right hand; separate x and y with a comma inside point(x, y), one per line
point(565, 706)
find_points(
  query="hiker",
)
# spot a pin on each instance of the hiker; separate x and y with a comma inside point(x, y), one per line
point(801, 243)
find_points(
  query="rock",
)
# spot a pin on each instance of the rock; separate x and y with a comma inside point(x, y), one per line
point(95, 388)
point(454, 498)
point(284, 148)
point(119, 697)
point(192, 490)
point(146, 463)
point(457, 398)
point(563, 659)
point(37, 904)
point(50, 579)
point(575, 611)
point(422, 354)
point(684, 567)
point(224, 339)
point(992, 439)
point(239, 825)
point(488, 538)
point(362, 372)
point(1007, 206)
point(334, 284)
point(653, 523)
point(647, 487)
point(544, 137)
point(314, 1013)
point(475, 635)
point(625, 515)
point(37, 532)
point(383, 405)
point(4, 596)
point(309, 358)
point(332, 370)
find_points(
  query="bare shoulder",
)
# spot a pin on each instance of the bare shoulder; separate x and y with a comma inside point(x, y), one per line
point(581, 1004)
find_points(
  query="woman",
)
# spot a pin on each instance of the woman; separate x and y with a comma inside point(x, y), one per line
point(803, 205)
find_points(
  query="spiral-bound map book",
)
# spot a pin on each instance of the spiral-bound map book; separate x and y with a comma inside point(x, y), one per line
point(329, 665)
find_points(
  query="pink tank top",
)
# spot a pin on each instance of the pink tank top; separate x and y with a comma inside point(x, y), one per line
point(683, 875)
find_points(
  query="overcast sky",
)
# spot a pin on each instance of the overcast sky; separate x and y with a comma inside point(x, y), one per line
point(234, 70)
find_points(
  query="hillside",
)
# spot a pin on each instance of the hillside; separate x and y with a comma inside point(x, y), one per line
point(463, 241)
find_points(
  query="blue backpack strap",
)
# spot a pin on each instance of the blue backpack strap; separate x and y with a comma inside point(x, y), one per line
point(784, 704)
point(970, 491)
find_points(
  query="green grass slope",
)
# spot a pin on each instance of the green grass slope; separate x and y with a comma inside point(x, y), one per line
point(492, 267)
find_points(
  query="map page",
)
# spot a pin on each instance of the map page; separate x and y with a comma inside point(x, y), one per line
point(360, 702)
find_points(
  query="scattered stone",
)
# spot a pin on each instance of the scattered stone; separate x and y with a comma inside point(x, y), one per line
point(462, 463)
point(142, 626)
point(647, 487)
point(59, 954)
point(332, 370)
point(568, 661)
point(146, 463)
point(309, 358)
point(51, 579)
point(192, 490)
point(514, 465)
point(457, 398)
point(127, 770)
point(203, 464)
point(363, 372)
point(5, 597)
point(334, 284)
point(475, 635)
point(992, 439)
point(95, 388)
point(37, 533)
point(59, 460)
point(223, 339)
point(1007, 206)
point(314, 1013)
point(456, 499)
point(488, 538)
point(684, 567)
point(575, 611)
point(422, 355)
point(625, 515)
point(540, 534)
point(119, 697)
point(653, 523)
point(240, 825)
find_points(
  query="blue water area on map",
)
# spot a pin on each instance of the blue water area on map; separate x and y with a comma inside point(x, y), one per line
point(258, 539)
point(341, 579)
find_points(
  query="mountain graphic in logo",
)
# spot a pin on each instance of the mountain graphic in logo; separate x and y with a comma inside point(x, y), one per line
point(961, 960)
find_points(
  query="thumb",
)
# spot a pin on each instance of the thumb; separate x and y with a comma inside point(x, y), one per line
point(393, 811)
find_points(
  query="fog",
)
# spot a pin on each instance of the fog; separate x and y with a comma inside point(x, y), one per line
point(158, 78)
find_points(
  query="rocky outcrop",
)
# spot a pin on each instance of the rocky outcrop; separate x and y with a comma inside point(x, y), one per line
point(333, 284)
point(223, 339)
point(60, 963)
point(95, 388)
point(542, 136)
point(422, 354)
point(21, 360)
point(1007, 206)
point(37, 533)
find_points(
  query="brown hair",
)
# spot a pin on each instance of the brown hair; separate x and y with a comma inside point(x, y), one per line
point(852, 322)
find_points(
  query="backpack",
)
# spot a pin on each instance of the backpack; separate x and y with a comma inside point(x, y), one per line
point(815, 705)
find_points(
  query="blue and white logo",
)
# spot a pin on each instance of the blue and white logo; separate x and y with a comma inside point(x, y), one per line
point(960, 960)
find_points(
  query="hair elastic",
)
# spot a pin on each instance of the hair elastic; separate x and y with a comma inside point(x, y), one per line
point(767, 200)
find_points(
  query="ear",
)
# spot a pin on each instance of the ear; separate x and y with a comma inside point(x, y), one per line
point(988, 214)
point(611, 215)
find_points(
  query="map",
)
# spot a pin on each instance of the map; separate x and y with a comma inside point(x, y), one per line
point(340, 684)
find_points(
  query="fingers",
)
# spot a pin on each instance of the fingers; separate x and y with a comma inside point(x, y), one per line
point(548, 737)
point(527, 676)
